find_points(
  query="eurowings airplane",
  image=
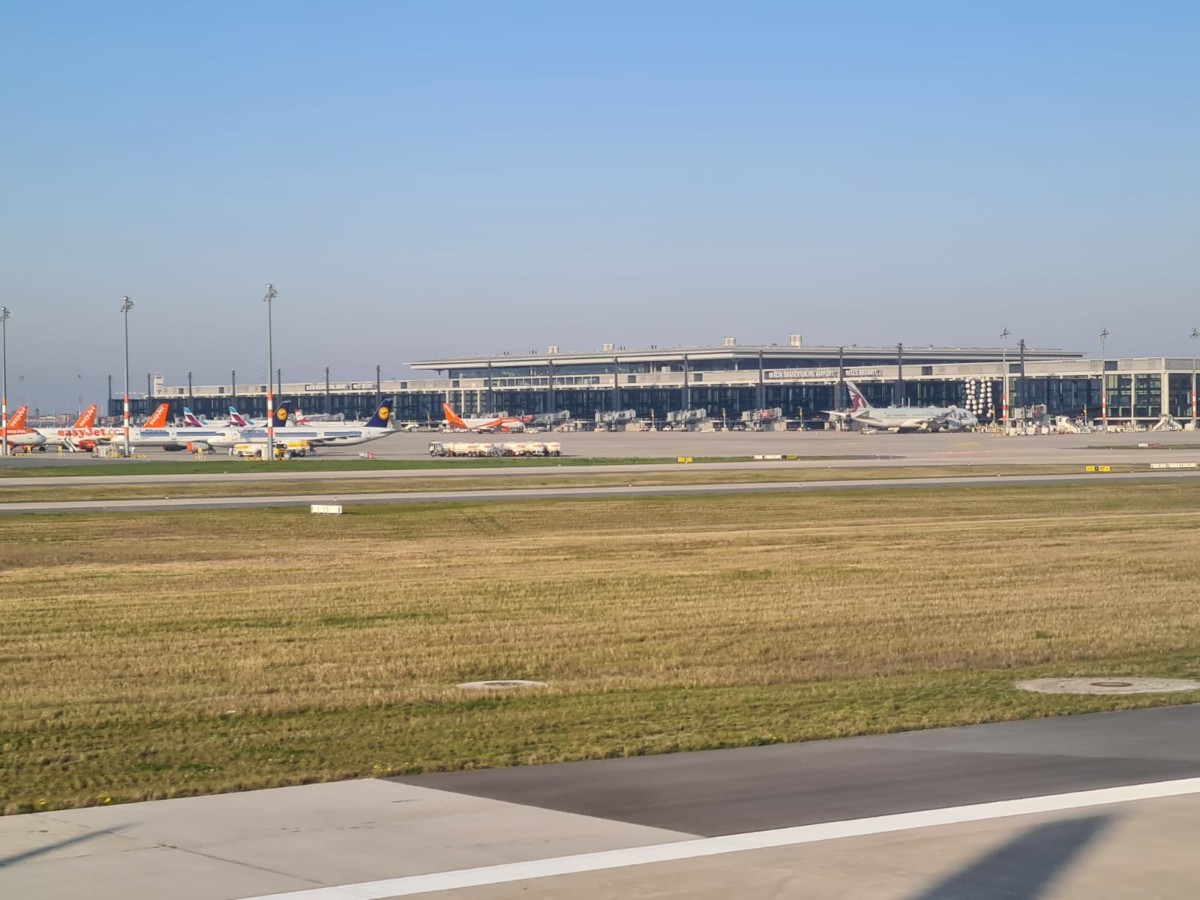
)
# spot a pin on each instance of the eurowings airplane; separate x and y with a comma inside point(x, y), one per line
point(485, 423)
point(237, 420)
point(905, 418)
point(191, 420)
point(325, 434)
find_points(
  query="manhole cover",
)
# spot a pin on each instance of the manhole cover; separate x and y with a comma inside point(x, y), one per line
point(1095, 686)
point(496, 685)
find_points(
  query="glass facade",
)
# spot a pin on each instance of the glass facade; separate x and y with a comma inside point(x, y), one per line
point(1120, 395)
point(1179, 396)
point(731, 382)
point(1147, 396)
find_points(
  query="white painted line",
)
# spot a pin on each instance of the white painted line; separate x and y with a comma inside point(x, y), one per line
point(736, 843)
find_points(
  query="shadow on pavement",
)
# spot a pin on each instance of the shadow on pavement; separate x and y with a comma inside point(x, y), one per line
point(6, 861)
point(1024, 867)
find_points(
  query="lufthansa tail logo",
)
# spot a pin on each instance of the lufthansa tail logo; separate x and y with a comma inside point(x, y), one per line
point(383, 413)
point(281, 414)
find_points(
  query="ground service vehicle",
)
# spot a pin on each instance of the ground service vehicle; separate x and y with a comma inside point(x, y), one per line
point(283, 450)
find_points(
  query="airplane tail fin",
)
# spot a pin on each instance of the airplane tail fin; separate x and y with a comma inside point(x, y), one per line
point(382, 414)
point(17, 419)
point(235, 418)
point(453, 418)
point(857, 401)
point(158, 419)
point(87, 418)
point(283, 414)
point(190, 420)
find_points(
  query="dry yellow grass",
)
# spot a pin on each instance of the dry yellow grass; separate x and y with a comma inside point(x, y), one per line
point(145, 655)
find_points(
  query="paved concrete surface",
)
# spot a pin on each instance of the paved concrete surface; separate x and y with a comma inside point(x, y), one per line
point(316, 839)
point(237, 845)
point(1136, 850)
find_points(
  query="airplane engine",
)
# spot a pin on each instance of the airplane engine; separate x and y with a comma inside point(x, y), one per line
point(198, 447)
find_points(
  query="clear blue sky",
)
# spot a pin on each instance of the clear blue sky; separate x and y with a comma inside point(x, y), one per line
point(423, 179)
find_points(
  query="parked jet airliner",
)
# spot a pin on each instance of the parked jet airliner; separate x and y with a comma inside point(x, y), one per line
point(19, 435)
point(905, 418)
point(485, 423)
point(316, 434)
point(87, 436)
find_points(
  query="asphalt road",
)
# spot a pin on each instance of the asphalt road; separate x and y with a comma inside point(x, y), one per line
point(720, 792)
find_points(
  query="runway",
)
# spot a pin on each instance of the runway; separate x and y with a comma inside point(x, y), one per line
point(814, 449)
point(1103, 805)
point(817, 451)
point(165, 503)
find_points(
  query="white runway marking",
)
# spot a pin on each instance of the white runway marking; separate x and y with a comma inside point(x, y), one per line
point(735, 843)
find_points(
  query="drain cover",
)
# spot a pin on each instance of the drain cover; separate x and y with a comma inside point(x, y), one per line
point(496, 685)
point(1099, 686)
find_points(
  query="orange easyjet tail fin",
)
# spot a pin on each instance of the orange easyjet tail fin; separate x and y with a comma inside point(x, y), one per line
point(452, 417)
point(87, 419)
point(158, 418)
point(17, 419)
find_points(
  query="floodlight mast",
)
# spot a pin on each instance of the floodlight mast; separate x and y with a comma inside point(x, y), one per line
point(1195, 334)
point(1004, 336)
point(1104, 334)
point(270, 296)
point(4, 314)
point(126, 306)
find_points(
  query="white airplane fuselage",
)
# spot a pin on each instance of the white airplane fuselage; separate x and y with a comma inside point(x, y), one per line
point(331, 436)
point(79, 436)
point(25, 437)
point(914, 418)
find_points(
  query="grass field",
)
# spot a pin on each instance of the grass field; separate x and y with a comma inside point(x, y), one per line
point(159, 655)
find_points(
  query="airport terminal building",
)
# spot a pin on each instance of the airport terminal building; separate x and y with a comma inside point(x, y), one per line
point(733, 381)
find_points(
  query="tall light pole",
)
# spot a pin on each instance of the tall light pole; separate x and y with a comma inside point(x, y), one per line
point(271, 295)
point(1004, 336)
point(126, 306)
point(4, 314)
point(1104, 332)
point(1195, 335)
